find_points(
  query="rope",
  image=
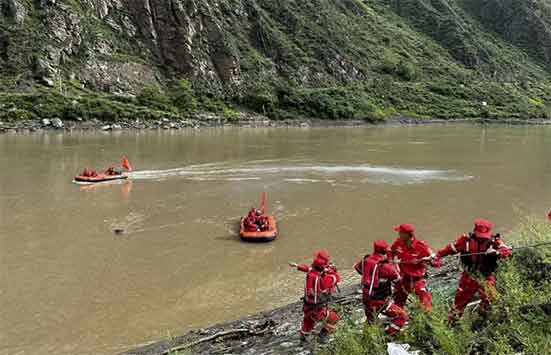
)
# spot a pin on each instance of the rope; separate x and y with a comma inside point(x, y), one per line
point(513, 248)
point(417, 261)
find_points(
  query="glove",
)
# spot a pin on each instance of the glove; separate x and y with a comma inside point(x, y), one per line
point(436, 263)
point(435, 260)
point(491, 251)
point(293, 265)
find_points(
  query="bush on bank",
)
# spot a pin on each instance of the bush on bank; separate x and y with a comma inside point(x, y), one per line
point(517, 324)
point(375, 100)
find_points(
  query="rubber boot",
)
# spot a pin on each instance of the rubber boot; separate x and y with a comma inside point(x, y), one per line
point(324, 336)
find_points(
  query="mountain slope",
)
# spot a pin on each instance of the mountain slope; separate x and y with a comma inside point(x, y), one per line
point(325, 58)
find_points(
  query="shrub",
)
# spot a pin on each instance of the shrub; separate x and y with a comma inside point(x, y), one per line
point(183, 97)
point(230, 115)
point(152, 96)
point(406, 71)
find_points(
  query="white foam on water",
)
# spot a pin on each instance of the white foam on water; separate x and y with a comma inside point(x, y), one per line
point(368, 173)
point(301, 180)
point(243, 178)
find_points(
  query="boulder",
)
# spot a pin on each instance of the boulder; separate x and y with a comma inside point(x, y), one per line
point(57, 123)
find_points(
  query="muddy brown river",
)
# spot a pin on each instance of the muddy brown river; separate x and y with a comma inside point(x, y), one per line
point(69, 285)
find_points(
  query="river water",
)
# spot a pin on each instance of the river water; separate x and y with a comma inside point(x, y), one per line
point(69, 285)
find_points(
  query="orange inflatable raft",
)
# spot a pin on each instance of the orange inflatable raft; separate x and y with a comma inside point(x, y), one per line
point(257, 227)
point(259, 235)
point(91, 176)
point(101, 177)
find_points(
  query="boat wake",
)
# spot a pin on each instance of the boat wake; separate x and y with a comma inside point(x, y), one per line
point(301, 173)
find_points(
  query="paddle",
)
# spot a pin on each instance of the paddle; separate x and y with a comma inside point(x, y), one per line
point(263, 208)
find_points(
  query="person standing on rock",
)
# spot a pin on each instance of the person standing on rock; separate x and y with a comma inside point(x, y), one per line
point(411, 255)
point(378, 277)
point(480, 251)
point(321, 282)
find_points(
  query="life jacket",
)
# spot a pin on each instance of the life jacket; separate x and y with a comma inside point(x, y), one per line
point(250, 224)
point(377, 288)
point(112, 171)
point(484, 264)
point(262, 223)
point(314, 295)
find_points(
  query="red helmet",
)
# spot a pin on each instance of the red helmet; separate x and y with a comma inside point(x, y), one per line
point(482, 228)
point(405, 228)
point(321, 258)
point(380, 246)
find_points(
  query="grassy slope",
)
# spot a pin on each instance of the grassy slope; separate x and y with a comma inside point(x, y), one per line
point(413, 57)
point(335, 59)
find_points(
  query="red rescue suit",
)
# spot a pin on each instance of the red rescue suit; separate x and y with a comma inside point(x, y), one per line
point(412, 272)
point(479, 268)
point(262, 223)
point(250, 224)
point(378, 275)
point(111, 171)
point(256, 221)
point(321, 282)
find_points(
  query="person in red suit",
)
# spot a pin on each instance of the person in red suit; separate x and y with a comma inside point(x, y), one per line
point(321, 282)
point(378, 277)
point(262, 223)
point(480, 251)
point(250, 221)
point(412, 255)
point(250, 224)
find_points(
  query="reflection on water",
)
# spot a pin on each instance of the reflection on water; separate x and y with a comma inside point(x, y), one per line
point(77, 287)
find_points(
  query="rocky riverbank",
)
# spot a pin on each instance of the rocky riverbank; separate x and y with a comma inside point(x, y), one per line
point(212, 120)
point(275, 331)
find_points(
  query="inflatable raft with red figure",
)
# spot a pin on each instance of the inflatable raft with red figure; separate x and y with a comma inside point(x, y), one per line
point(256, 226)
point(91, 176)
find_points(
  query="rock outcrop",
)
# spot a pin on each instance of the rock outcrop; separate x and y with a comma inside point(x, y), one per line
point(116, 45)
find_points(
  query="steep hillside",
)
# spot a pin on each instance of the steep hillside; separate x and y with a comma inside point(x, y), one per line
point(324, 58)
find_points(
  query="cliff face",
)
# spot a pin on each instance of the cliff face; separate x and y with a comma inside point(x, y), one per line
point(250, 47)
point(117, 44)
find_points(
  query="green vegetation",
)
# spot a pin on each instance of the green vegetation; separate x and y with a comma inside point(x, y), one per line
point(372, 59)
point(184, 97)
point(517, 324)
point(48, 104)
point(350, 59)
